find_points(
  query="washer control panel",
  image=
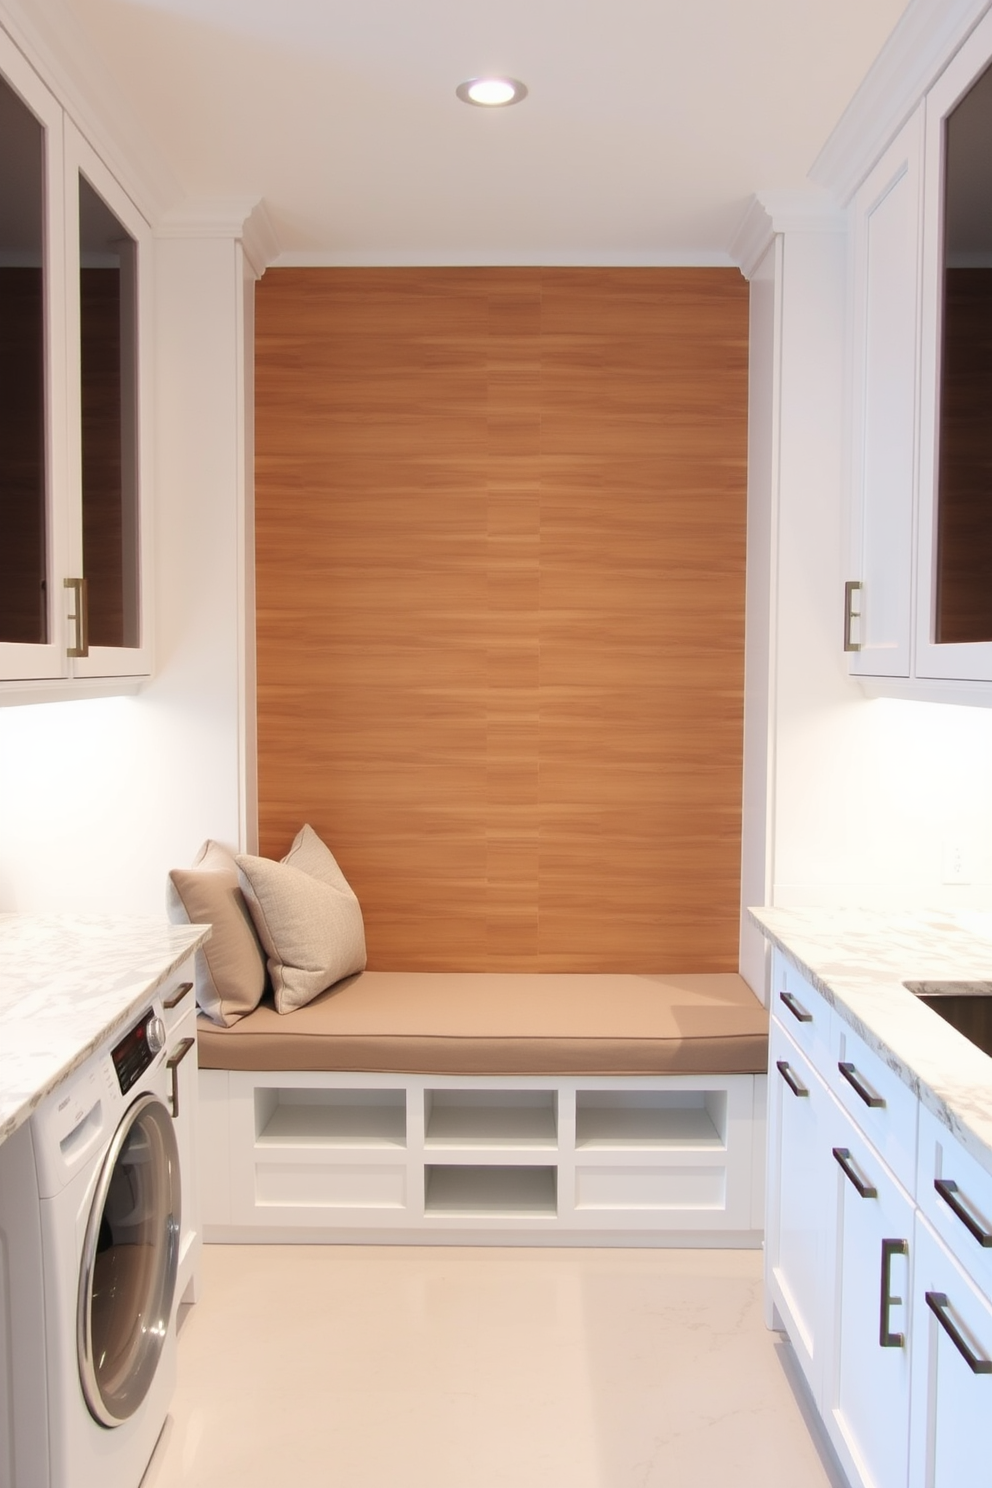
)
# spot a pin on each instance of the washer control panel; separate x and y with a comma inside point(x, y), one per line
point(137, 1050)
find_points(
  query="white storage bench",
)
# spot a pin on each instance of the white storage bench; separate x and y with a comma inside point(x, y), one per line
point(490, 1108)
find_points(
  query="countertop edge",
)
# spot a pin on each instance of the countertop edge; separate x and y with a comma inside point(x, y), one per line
point(187, 939)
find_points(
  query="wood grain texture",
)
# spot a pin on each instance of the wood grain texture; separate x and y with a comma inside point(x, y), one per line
point(500, 584)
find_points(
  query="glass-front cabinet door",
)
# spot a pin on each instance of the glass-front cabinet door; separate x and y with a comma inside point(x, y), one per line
point(33, 552)
point(75, 260)
point(107, 302)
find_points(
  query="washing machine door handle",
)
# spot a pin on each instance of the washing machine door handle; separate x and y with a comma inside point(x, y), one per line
point(130, 1260)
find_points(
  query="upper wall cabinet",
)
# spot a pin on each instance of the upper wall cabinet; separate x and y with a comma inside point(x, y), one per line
point(75, 259)
point(919, 606)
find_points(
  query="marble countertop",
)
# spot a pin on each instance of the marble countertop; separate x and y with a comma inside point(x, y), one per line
point(68, 983)
point(859, 960)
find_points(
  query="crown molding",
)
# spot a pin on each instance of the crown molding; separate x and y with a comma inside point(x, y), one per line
point(245, 219)
point(923, 42)
point(807, 209)
point(60, 52)
point(440, 258)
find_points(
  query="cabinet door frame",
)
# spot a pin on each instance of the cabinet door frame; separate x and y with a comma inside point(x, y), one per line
point(82, 160)
point(805, 1317)
point(47, 660)
point(886, 230)
point(888, 1213)
point(960, 662)
point(939, 1373)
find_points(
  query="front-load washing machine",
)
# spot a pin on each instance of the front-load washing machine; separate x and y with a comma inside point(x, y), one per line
point(90, 1212)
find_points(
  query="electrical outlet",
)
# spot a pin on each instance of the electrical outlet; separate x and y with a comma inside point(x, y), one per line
point(956, 866)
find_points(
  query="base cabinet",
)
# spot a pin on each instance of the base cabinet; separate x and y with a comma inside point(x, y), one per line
point(796, 1227)
point(866, 1397)
point(878, 1267)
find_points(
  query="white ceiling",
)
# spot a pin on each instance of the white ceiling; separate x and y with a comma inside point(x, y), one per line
point(649, 123)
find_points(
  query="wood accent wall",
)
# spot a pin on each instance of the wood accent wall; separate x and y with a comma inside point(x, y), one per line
point(500, 520)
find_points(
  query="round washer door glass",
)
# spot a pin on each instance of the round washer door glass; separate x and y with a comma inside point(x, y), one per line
point(127, 1278)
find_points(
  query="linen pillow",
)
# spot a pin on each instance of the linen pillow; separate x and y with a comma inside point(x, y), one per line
point(230, 967)
point(307, 917)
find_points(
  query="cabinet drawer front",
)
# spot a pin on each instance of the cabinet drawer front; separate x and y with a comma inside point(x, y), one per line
point(954, 1192)
point(876, 1100)
point(802, 1011)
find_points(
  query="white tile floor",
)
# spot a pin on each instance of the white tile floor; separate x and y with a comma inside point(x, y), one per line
point(435, 1367)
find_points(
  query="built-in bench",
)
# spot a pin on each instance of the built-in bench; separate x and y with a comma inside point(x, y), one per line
point(490, 1107)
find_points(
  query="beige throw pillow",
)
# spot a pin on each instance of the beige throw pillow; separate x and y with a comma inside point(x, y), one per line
point(230, 967)
point(307, 917)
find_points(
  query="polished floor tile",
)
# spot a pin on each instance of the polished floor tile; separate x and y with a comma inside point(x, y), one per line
point(437, 1367)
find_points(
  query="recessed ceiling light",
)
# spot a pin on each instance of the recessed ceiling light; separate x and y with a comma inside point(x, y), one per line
point(491, 92)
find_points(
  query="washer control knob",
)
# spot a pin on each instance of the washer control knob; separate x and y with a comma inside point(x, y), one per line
point(155, 1034)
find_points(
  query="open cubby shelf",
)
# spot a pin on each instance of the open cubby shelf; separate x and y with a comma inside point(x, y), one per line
point(324, 1156)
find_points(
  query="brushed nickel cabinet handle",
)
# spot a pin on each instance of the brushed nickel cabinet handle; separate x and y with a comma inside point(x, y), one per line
point(795, 1007)
point(172, 1063)
point(181, 991)
point(794, 1083)
point(947, 1189)
point(851, 588)
point(868, 1094)
point(80, 617)
point(886, 1338)
point(846, 1161)
point(939, 1305)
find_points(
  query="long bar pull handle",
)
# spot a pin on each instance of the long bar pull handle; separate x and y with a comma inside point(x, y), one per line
point(795, 1007)
point(940, 1307)
point(843, 1156)
point(794, 1083)
point(886, 1338)
point(851, 588)
point(181, 991)
point(947, 1189)
point(868, 1094)
point(172, 1063)
point(80, 617)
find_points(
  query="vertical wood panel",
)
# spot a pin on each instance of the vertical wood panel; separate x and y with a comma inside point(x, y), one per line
point(500, 537)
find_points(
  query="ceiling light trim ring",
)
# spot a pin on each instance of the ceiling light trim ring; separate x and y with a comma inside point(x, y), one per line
point(504, 91)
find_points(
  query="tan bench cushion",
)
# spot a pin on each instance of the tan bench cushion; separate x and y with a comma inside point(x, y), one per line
point(501, 1023)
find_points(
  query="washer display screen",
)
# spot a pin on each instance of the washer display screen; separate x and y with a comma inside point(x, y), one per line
point(132, 1055)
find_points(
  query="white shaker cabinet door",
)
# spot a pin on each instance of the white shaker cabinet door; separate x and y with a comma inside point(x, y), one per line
point(798, 1184)
point(886, 225)
point(952, 1372)
point(866, 1394)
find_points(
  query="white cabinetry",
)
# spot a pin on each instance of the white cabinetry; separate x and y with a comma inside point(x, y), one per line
point(866, 1393)
point(898, 586)
point(886, 227)
point(75, 292)
point(878, 1254)
point(797, 1229)
point(179, 1016)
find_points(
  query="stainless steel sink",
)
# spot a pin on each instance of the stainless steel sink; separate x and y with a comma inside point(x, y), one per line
point(967, 1006)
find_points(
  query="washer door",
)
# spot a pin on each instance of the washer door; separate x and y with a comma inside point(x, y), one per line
point(127, 1277)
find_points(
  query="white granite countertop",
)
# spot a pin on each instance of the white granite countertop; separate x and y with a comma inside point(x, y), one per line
point(67, 983)
point(859, 960)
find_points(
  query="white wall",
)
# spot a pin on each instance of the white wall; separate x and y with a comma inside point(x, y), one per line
point(99, 798)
